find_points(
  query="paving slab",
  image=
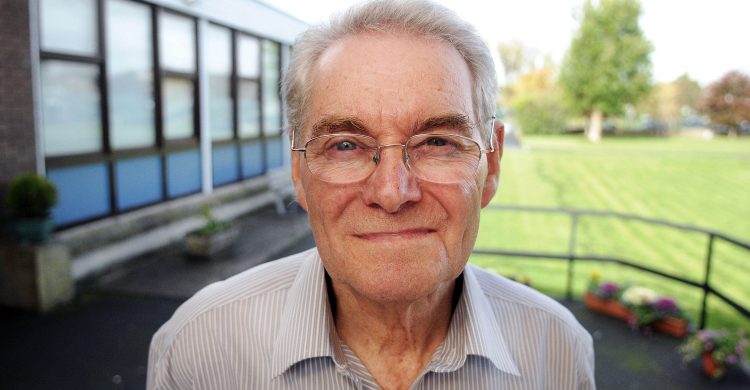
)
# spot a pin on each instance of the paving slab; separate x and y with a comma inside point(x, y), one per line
point(169, 272)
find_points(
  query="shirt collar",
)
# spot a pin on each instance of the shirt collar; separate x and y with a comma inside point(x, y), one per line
point(306, 328)
point(474, 330)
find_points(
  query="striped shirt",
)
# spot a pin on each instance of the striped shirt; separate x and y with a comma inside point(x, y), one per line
point(271, 328)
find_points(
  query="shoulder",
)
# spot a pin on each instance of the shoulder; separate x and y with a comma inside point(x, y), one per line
point(240, 292)
point(525, 303)
point(226, 325)
point(535, 326)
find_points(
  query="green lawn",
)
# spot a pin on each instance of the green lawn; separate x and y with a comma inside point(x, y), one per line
point(687, 181)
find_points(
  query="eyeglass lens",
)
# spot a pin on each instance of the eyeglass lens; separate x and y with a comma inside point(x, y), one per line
point(348, 158)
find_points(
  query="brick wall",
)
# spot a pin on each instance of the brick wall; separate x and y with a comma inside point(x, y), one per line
point(17, 141)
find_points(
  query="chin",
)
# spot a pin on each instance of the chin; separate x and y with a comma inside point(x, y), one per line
point(398, 291)
point(403, 283)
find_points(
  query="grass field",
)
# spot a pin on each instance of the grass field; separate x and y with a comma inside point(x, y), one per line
point(704, 183)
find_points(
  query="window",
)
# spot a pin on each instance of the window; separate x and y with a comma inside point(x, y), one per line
point(248, 96)
point(271, 98)
point(177, 42)
point(178, 64)
point(248, 57)
point(121, 110)
point(130, 75)
point(219, 66)
point(58, 34)
point(178, 108)
point(71, 107)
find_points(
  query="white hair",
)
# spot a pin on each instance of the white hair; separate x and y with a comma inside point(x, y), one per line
point(419, 17)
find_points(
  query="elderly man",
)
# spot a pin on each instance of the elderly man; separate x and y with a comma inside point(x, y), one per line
point(395, 151)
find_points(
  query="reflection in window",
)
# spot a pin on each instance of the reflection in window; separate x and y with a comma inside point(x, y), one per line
point(177, 42)
point(286, 54)
point(248, 64)
point(249, 109)
point(59, 32)
point(178, 108)
point(71, 108)
point(130, 76)
point(219, 66)
point(271, 99)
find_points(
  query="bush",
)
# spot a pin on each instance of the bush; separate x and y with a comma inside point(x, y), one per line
point(539, 113)
point(31, 196)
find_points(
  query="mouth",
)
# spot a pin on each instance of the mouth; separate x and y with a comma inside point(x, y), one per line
point(406, 234)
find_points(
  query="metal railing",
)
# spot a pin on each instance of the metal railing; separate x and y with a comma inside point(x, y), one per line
point(571, 256)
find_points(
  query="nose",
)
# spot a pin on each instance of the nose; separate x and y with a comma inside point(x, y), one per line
point(391, 186)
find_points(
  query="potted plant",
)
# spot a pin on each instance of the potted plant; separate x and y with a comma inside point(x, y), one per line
point(652, 312)
point(604, 297)
point(30, 198)
point(214, 236)
point(718, 349)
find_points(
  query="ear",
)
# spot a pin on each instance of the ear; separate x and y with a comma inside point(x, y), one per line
point(299, 189)
point(493, 165)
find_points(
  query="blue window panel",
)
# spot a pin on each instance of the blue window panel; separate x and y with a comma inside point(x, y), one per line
point(183, 173)
point(225, 165)
point(138, 182)
point(274, 153)
point(252, 159)
point(83, 193)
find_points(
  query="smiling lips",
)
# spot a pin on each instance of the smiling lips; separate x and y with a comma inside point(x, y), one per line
point(396, 235)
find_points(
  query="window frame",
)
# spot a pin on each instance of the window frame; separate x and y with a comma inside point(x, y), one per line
point(163, 147)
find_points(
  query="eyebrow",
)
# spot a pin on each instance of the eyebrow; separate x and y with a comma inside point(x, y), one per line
point(338, 125)
point(454, 121)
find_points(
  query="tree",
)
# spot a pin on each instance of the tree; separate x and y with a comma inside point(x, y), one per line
point(688, 93)
point(536, 103)
point(516, 59)
point(727, 101)
point(607, 65)
point(670, 103)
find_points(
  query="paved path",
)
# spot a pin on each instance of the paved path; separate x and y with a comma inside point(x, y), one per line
point(101, 341)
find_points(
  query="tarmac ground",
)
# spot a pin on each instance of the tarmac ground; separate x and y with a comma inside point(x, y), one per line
point(101, 340)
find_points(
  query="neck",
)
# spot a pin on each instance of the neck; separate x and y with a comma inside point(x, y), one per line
point(394, 340)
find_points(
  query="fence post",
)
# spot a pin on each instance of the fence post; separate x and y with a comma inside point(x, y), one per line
point(706, 287)
point(571, 253)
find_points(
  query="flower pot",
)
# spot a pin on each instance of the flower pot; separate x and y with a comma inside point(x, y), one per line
point(672, 326)
point(610, 307)
point(206, 245)
point(710, 366)
point(33, 230)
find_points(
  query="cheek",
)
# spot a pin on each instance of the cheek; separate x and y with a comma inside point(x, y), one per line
point(326, 202)
point(465, 208)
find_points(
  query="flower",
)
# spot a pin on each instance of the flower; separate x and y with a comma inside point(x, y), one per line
point(603, 290)
point(665, 304)
point(638, 296)
point(609, 288)
point(647, 307)
point(726, 348)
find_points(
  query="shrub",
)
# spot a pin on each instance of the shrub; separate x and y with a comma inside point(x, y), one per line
point(31, 196)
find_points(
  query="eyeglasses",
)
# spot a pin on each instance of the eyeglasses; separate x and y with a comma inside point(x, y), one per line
point(348, 158)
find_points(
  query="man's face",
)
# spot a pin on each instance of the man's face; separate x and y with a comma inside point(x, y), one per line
point(391, 236)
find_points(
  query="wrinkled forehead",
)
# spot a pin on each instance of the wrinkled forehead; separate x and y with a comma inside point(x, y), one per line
point(390, 80)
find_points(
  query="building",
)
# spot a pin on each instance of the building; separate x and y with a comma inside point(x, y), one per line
point(141, 110)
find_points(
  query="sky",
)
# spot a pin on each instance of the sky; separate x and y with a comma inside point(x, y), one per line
point(703, 38)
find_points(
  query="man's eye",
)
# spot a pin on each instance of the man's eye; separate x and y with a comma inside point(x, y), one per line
point(343, 146)
point(435, 141)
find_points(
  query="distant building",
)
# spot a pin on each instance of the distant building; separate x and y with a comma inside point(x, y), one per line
point(130, 104)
